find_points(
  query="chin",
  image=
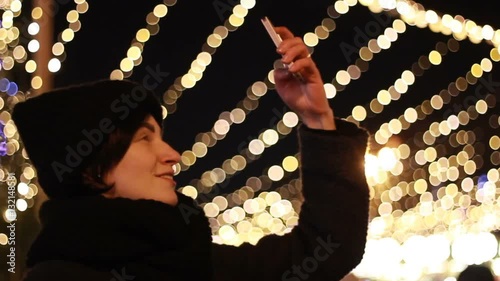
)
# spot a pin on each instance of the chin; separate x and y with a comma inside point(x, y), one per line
point(170, 199)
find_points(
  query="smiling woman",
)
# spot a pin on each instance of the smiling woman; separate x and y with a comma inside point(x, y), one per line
point(148, 162)
point(126, 173)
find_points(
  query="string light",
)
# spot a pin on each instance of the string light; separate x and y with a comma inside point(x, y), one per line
point(427, 107)
point(221, 127)
point(366, 54)
point(394, 92)
point(463, 158)
point(440, 169)
point(204, 58)
point(10, 54)
point(9, 36)
point(416, 15)
point(430, 154)
point(431, 213)
point(252, 152)
point(58, 48)
point(134, 52)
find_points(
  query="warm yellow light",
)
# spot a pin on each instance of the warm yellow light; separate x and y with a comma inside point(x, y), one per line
point(160, 10)
point(142, 35)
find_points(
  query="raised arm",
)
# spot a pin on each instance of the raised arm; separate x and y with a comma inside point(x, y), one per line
point(330, 238)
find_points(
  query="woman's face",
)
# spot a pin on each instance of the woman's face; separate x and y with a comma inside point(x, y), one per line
point(146, 169)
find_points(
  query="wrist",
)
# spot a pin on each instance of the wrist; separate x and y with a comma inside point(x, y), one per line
point(323, 121)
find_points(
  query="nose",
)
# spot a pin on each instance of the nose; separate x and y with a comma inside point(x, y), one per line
point(168, 154)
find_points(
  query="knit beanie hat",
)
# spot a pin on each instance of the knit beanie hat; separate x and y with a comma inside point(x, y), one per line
point(64, 128)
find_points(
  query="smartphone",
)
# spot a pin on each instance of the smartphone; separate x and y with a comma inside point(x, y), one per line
point(277, 40)
point(270, 29)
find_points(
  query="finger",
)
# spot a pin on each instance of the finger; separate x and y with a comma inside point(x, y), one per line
point(300, 66)
point(289, 43)
point(305, 67)
point(295, 52)
point(283, 32)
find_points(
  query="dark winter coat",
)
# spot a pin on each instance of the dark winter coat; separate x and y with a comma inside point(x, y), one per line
point(327, 243)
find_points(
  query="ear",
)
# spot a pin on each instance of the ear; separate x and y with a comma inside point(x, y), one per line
point(108, 178)
point(110, 193)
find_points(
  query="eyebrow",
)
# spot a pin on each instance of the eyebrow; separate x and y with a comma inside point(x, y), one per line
point(148, 126)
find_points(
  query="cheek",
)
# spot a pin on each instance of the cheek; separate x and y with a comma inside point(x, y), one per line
point(138, 158)
point(134, 167)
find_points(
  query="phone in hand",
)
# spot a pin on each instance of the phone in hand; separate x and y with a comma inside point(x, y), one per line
point(277, 41)
point(270, 29)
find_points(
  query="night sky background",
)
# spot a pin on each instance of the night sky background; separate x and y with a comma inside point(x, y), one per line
point(247, 55)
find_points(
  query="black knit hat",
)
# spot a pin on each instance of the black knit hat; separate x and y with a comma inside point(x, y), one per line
point(63, 129)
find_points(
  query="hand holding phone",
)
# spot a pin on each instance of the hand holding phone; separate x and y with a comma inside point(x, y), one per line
point(277, 41)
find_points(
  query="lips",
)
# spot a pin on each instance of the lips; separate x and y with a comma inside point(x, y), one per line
point(168, 177)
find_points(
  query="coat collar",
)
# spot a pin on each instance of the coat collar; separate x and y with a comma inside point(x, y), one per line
point(147, 238)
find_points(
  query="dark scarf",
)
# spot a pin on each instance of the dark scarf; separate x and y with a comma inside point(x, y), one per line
point(148, 239)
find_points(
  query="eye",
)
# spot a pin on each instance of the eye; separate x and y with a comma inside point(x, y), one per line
point(144, 137)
